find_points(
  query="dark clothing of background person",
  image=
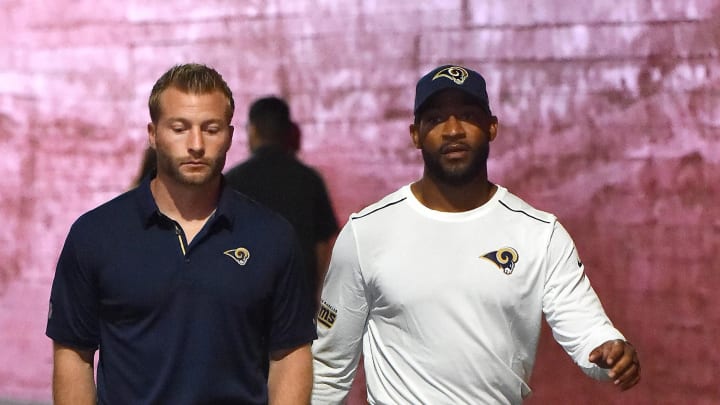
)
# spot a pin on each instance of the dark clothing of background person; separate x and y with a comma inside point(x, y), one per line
point(276, 178)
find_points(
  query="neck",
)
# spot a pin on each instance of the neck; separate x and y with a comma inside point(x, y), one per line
point(266, 145)
point(185, 203)
point(453, 198)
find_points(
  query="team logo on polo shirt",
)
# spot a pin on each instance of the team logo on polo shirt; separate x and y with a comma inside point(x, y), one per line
point(327, 315)
point(240, 255)
point(504, 259)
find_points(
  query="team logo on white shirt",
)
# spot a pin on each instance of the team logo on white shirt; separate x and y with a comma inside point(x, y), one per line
point(504, 258)
point(327, 315)
point(240, 255)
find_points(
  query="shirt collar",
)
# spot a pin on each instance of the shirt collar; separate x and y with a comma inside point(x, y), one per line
point(224, 214)
point(150, 213)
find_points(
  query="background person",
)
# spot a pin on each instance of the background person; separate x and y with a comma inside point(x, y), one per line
point(274, 177)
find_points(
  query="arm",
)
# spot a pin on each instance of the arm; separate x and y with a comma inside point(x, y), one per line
point(290, 376)
point(326, 226)
point(322, 253)
point(341, 323)
point(73, 376)
point(621, 358)
point(292, 330)
point(571, 306)
point(73, 320)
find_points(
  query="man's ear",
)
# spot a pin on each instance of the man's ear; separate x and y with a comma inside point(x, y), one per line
point(151, 134)
point(231, 132)
point(492, 130)
point(415, 136)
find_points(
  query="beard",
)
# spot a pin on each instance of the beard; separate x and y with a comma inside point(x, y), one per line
point(456, 173)
point(171, 168)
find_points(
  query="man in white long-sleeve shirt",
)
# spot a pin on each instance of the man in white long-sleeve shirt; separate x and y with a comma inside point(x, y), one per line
point(442, 284)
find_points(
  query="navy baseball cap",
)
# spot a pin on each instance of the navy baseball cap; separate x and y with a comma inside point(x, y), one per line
point(451, 77)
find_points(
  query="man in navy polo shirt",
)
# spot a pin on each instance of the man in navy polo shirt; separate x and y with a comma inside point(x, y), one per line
point(192, 293)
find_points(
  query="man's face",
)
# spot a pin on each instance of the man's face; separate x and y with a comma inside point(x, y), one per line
point(191, 137)
point(454, 132)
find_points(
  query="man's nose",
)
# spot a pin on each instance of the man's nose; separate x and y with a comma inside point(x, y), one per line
point(453, 126)
point(195, 141)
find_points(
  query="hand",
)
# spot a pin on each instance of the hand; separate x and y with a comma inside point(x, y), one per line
point(622, 360)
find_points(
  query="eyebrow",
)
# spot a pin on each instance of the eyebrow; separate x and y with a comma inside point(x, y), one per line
point(221, 121)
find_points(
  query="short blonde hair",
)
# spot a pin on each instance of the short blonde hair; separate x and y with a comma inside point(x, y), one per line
point(191, 78)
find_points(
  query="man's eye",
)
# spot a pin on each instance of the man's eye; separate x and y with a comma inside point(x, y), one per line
point(178, 129)
point(212, 130)
point(434, 119)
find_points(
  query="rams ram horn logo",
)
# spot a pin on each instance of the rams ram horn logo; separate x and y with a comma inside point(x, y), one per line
point(240, 255)
point(454, 73)
point(504, 258)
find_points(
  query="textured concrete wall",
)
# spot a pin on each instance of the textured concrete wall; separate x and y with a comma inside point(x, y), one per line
point(609, 117)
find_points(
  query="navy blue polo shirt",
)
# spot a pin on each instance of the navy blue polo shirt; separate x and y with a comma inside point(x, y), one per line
point(179, 324)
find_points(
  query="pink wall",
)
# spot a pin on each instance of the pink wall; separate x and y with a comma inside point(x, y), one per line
point(609, 113)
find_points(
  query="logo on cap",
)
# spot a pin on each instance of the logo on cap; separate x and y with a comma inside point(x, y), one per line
point(454, 73)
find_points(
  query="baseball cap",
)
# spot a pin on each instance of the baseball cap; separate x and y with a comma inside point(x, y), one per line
point(451, 77)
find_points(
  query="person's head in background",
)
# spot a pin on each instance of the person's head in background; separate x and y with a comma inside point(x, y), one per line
point(269, 123)
point(191, 109)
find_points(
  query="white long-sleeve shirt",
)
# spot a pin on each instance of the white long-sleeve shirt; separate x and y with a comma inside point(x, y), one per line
point(447, 307)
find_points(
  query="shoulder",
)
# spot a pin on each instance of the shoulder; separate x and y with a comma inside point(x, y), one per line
point(113, 211)
point(385, 206)
point(293, 164)
point(517, 207)
point(236, 173)
point(240, 204)
point(103, 224)
point(245, 210)
point(305, 167)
